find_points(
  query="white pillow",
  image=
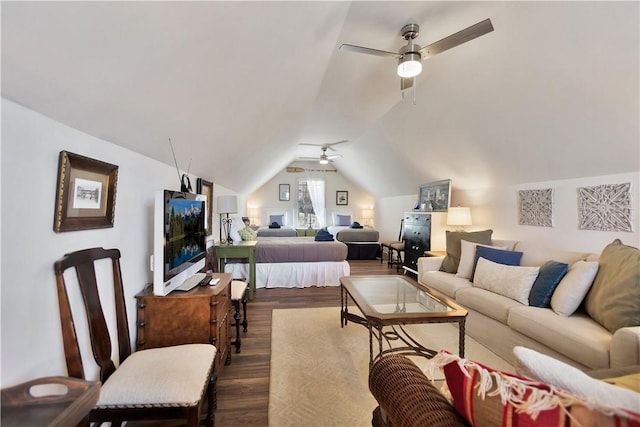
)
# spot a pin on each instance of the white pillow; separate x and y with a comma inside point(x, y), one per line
point(236, 225)
point(548, 370)
point(468, 257)
point(573, 287)
point(511, 281)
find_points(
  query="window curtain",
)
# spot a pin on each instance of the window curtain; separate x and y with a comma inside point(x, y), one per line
point(316, 192)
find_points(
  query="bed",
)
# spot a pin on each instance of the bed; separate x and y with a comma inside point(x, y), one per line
point(295, 262)
point(280, 217)
point(283, 231)
point(362, 243)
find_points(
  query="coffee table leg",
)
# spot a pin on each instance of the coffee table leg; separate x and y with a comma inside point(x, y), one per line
point(461, 339)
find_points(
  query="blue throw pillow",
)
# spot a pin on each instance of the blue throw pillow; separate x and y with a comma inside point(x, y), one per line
point(496, 255)
point(548, 278)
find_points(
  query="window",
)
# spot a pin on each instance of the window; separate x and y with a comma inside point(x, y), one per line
point(310, 209)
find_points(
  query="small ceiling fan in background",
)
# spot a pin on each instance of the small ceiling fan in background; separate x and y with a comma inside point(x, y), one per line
point(324, 157)
point(410, 56)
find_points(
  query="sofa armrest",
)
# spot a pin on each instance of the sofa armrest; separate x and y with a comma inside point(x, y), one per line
point(625, 347)
point(407, 397)
point(428, 263)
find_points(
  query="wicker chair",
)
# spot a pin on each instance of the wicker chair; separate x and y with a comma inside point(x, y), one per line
point(406, 397)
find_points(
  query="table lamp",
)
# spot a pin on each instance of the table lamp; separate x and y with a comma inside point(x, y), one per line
point(459, 216)
point(367, 214)
point(227, 205)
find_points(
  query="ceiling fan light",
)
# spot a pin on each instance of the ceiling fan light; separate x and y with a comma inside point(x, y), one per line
point(324, 161)
point(409, 65)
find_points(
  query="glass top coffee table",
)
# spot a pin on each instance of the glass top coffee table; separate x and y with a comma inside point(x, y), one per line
point(394, 301)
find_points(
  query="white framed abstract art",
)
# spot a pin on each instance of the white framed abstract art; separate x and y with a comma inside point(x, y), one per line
point(605, 207)
point(536, 207)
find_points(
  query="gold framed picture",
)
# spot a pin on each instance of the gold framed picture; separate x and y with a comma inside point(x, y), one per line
point(85, 194)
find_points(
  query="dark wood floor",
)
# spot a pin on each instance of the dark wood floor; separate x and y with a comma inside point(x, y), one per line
point(243, 387)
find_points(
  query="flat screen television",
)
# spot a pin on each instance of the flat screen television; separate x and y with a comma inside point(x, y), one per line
point(179, 240)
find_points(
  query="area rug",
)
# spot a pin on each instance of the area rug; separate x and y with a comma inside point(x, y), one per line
point(319, 371)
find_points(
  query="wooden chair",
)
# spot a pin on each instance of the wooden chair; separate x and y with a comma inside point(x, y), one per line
point(395, 249)
point(176, 382)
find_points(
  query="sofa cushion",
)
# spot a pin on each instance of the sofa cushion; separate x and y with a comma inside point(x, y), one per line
point(578, 337)
point(548, 279)
point(452, 259)
point(487, 397)
point(536, 254)
point(573, 287)
point(443, 282)
point(468, 257)
point(540, 367)
point(510, 281)
point(487, 303)
point(496, 255)
point(614, 298)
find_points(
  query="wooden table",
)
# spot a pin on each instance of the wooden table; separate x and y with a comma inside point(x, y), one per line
point(49, 401)
point(242, 249)
point(394, 301)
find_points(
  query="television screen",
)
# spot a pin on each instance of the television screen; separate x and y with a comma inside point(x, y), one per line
point(185, 235)
point(179, 239)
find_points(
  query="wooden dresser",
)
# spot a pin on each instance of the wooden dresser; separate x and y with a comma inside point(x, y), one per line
point(201, 315)
point(417, 238)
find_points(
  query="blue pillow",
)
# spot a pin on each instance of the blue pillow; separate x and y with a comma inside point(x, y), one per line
point(343, 220)
point(276, 218)
point(548, 278)
point(496, 255)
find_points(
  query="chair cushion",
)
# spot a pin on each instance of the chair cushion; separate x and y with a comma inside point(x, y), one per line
point(237, 289)
point(167, 376)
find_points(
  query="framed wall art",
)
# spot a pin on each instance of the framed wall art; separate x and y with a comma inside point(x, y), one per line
point(605, 207)
point(284, 192)
point(206, 189)
point(536, 207)
point(342, 198)
point(435, 196)
point(85, 194)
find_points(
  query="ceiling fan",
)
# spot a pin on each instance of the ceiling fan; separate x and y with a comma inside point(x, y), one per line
point(410, 56)
point(324, 157)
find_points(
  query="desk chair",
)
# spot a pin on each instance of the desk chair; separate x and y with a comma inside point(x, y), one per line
point(176, 382)
point(395, 249)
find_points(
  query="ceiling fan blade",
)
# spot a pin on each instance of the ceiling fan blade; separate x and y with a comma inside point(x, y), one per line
point(456, 39)
point(406, 82)
point(334, 156)
point(330, 146)
point(369, 51)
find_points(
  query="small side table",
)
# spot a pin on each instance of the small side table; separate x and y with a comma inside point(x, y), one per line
point(242, 249)
point(435, 253)
point(49, 401)
point(239, 295)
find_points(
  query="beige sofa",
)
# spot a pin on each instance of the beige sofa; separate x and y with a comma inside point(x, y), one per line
point(501, 323)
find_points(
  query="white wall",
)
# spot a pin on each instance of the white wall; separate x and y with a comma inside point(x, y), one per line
point(266, 197)
point(30, 326)
point(497, 208)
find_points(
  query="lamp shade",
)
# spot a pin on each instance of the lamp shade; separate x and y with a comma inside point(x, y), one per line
point(367, 214)
point(459, 216)
point(409, 65)
point(227, 204)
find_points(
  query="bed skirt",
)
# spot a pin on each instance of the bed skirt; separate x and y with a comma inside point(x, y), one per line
point(292, 274)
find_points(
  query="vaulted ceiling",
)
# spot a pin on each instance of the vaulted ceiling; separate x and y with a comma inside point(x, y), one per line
point(552, 93)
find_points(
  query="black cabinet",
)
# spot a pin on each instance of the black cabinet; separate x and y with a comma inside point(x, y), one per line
point(417, 238)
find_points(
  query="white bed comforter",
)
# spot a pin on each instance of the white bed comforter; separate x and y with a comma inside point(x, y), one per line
point(292, 274)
